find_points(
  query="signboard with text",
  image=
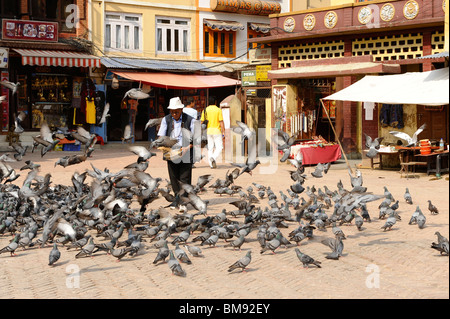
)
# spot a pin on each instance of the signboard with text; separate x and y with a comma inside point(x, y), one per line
point(29, 30)
point(254, 7)
point(248, 78)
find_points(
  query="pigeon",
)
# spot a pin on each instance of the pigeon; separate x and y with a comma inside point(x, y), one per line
point(433, 209)
point(54, 256)
point(183, 236)
point(152, 123)
point(337, 246)
point(143, 153)
point(306, 260)
point(18, 122)
point(243, 130)
point(127, 136)
point(357, 180)
point(87, 250)
point(407, 197)
point(163, 253)
point(320, 170)
point(12, 246)
point(136, 94)
point(119, 253)
point(164, 142)
point(359, 221)
point(297, 188)
point(181, 255)
point(237, 243)
point(211, 241)
point(373, 145)
point(242, 263)
point(10, 85)
point(284, 143)
point(175, 266)
point(194, 251)
point(390, 221)
point(202, 181)
point(410, 140)
point(20, 151)
point(104, 114)
point(442, 245)
point(106, 246)
point(273, 244)
point(421, 220)
point(69, 160)
point(30, 165)
point(337, 230)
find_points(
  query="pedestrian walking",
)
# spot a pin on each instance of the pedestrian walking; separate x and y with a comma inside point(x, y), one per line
point(215, 131)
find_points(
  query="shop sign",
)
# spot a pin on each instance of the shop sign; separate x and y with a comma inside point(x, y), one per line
point(260, 56)
point(30, 30)
point(4, 56)
point(253, 7)
point(261, 73)
point(248, 78)
point(251, 92)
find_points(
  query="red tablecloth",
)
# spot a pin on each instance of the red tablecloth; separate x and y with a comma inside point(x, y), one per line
point(315, 155)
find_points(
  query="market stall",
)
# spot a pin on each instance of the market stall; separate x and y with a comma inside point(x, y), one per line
point(317, 151)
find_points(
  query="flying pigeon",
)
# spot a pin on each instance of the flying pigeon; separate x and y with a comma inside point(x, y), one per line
point(243, 130)
point(136, 94)
point(336, 245)
point(153, 122)
point(127, 136)
point(10, 85)
point(410, 140)
point(104, 114)
point(373, 145)
point(18, 122)
point(143, 153)
point(242, 263)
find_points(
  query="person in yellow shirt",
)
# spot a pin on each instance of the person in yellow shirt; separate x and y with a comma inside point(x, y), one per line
point(215, 130)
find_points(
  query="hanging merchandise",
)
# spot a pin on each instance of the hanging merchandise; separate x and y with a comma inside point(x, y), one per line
point(90, 111)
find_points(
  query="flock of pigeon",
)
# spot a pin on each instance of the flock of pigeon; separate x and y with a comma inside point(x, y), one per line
point(114, 214)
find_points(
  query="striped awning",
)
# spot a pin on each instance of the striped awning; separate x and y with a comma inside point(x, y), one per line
point(58, 58)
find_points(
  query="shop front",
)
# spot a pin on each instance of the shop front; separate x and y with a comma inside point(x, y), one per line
point(159, 88)
point(55, 87)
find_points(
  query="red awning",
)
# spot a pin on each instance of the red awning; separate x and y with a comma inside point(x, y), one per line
point(58, 58)
point(179, 81)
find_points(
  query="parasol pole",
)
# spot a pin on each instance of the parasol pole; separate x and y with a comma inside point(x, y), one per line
point(337, 138)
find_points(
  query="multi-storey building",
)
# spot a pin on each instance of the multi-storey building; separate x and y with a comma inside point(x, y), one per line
point(319, 50)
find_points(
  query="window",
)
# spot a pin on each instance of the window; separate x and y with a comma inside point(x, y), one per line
point(219, 43)
point(52, 10)
point(123, 32)
point(9, 9)
point(172, 35)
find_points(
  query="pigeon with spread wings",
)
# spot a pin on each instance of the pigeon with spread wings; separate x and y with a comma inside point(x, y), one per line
point(410, 140)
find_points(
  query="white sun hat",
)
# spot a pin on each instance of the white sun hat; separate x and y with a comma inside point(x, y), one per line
point(175, 103)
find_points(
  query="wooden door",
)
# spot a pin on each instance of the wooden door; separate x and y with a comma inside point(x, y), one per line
point(436, 120)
